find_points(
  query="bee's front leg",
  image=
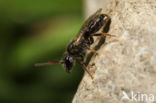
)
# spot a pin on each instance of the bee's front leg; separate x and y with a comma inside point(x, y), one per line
point(85, 68)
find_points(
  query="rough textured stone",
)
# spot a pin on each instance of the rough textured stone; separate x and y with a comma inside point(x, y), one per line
point(126, 62)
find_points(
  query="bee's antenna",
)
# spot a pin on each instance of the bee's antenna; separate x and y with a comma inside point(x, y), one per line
point(48, 63)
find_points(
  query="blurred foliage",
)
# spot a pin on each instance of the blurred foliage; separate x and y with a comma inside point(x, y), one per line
point(35, 31)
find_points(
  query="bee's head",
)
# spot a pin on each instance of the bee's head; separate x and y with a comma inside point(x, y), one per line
point(68, 62)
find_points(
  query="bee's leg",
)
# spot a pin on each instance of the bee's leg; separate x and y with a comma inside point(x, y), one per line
point(92, 50)
point(91, 40)
point(85, 69)
point(103, 34)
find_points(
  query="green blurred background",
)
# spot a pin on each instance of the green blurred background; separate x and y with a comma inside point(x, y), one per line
point(33, 31)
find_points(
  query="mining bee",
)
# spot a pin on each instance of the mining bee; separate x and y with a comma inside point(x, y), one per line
point(76, 49)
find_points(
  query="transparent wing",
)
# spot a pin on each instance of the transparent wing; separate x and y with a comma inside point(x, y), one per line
point(85, 26)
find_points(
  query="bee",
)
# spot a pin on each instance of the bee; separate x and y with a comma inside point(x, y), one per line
point(93, 26)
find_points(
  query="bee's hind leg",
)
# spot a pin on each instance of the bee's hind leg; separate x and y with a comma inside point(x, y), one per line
point(92, 50)
point(103, 34)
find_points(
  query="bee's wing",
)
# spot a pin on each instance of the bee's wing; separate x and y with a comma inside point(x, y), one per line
point(91, 17)
point(85, 25)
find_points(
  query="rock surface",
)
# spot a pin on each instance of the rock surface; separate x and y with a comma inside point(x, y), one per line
point(126, 64)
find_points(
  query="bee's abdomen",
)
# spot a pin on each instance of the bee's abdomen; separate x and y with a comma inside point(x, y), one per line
point(96, 24)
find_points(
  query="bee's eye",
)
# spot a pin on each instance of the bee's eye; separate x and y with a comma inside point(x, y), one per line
point(68, 63)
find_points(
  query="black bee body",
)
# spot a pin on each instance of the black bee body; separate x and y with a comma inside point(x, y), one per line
point(95, 25)
point(84, 39)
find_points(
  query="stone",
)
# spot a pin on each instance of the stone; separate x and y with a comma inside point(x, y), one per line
point(125, 64)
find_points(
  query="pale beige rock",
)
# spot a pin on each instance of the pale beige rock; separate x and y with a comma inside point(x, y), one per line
point(126, 63)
